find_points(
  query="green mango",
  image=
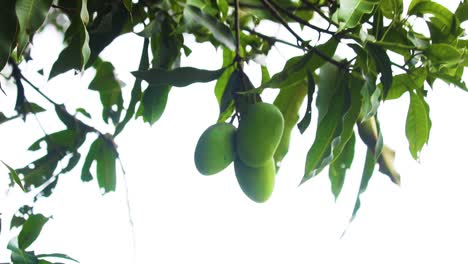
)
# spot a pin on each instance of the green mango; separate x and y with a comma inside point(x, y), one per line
point(215, 149)
point(259, 134)
point(256, 183)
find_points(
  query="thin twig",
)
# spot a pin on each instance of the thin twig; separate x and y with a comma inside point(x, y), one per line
point(237, 28)
point(278, 16)
point(320, 12)
point(300, 20)
point(273, 39)
point(129, 208)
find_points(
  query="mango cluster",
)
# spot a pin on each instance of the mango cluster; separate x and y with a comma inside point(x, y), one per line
point(251, 147)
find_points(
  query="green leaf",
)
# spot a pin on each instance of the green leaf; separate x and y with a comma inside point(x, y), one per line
point(462, 11)
point(77, 53)
point(31, 230)
point(154, 102)
point(93, 152)
point(410, 81)
point(296, 68)
point(42, 169)
point(178, 77)
point(104, 153)
point(57, 255)
point(20, 256)
point(443, 54)
point(83, 112)
point(370, 134)
point(108, 25)
point(338, 168)
point(367, 173)
point(8, 29)
point(105, 167)
point(305, 122)
point(330, 79)
point(418, 123)
point(228, 58)
point(443, 24)
point(391, 9)
point(109, 88)
point(16, 221)
point(136, 90)
point(370, 98)
point(265, 74)
point(31, 14)
point(384, 66)
point(220, 31)
point(351, 12)
point(14, 176)
point(227, 100)
point(289, 101)
point(327, 136)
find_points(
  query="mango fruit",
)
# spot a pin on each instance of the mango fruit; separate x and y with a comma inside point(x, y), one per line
point(259, 133)
point(215, 149)
point(256, 183)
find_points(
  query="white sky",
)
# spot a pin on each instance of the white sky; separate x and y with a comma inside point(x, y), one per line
point(181, 216)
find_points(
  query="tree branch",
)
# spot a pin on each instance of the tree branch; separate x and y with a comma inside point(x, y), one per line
point(275, 13)
point(273, 39)
point(300, 20)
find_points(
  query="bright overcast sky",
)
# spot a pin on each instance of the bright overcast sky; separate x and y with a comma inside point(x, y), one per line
point(181, 216)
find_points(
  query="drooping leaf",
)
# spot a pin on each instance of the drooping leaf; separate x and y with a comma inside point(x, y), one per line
point(289, 101)
point(108, 25)
point(418, 123)
point(76, 54)
point(338, 168)
point(154, 102)
point(367, 173)
point(90, 157)
point(57, 255)
point(19, 255)
point(227, 99)
point(370, 134)
point(8, 29)
point(31, 14)
point(178, 77)
point(136, 90)
point(109, 88)
point(105, 167)
point(370, 98)
point(351, 12)
point(31, 230)
point(296, 68)
point(102, 151)
point(330, 79)
point(221, 32)
point(228, 58)
point(327, 136)
point(14, 176)
point(305, 121)
point(384, 66)
point(407, 82)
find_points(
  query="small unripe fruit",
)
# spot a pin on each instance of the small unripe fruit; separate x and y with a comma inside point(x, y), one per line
point(215, 149)
point(259, 134)
point(256, 183)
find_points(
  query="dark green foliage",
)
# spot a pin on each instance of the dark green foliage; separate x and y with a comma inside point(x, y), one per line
point(385, 60)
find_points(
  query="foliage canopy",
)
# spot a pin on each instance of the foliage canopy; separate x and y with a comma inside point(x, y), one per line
point(393, 50)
